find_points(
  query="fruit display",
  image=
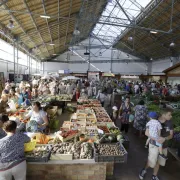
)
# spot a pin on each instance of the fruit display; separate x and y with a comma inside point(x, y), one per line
point(99, 119)
point(114, 130)
point(86, 151)
point(91, 131)
point(104, 128)
point(66, 124)
point(66, 134)
point(109, 150)
point(91, 120)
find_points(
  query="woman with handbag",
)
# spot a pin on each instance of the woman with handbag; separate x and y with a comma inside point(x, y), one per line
point(124, 113)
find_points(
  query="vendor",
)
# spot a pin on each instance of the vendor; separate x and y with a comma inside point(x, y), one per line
point(39, 118)
point(12, 158)
point(3, 104)
point(12, 96)
point(20, 96)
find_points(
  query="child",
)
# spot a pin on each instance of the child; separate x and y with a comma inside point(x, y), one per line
point(155, 131)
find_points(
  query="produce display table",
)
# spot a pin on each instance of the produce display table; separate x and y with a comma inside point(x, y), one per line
point(69, 170)
point(86, 147)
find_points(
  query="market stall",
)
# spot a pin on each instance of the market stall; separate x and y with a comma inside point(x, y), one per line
point(173, 74)
point(88, 141)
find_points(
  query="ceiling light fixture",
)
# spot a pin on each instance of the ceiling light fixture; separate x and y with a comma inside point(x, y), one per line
point(153, 32)
point(54, 54)
point(76, 32)
point(130, 38)
point(172, 44)
point(151, 59)
point(100, 53)
point(11, 24)
point(51, 44)
point(44, 16)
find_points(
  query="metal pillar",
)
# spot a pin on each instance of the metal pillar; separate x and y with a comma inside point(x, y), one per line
point(89, 54)
point(111, 60)
point(17, 61)
point(29, 65)
point(14, 61)
point(36, 66)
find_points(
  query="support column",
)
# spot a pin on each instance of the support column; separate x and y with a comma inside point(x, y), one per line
point(17, 60)
point(111, 60)
point(149, 68)
point(89, 54)
point(14, 56)
point(29, 65)
point(174, 60)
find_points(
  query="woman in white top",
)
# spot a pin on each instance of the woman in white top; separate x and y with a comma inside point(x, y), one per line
point(38, 119)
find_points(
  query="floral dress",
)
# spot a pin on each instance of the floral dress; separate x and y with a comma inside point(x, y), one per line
point(140, 117)
point(125, 113)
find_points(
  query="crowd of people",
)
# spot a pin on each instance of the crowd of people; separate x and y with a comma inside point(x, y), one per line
point(159, 129)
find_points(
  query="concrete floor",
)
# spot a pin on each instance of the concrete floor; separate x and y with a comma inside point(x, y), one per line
point(137, 156)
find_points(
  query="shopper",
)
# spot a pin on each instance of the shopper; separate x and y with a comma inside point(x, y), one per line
point(154, 127)
point(140, 117)
point(124, 112)
point(38, 119)
point(136, 88)
point(3, 104)
point(12, 159)
point(154, 161)
point(101, 97)
point(3, 119)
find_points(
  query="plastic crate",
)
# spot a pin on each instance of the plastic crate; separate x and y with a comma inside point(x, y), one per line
point(106, 158)
point(45, 158)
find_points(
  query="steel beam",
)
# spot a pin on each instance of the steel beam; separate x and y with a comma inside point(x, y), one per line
point(123, 10)
point(136, 27)
point(19, 24)
point(14, 54)
point(44, 9)
point(3, 2)
point(59, 22)
point(67, 27)
point(34, 23)
point(102, 61)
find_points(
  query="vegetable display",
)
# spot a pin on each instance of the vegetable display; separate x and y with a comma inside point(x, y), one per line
point(39, 152)
point(62, 148)
point(86, 151)
point(109, 150)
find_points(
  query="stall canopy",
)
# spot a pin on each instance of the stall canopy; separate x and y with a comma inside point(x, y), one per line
point(173, 71)
point(70, 78)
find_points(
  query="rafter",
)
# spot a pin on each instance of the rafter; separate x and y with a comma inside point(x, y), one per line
point(44, 9)
point(19, 24)
point(35, 25)
point(44, 26)
point(67, 28)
